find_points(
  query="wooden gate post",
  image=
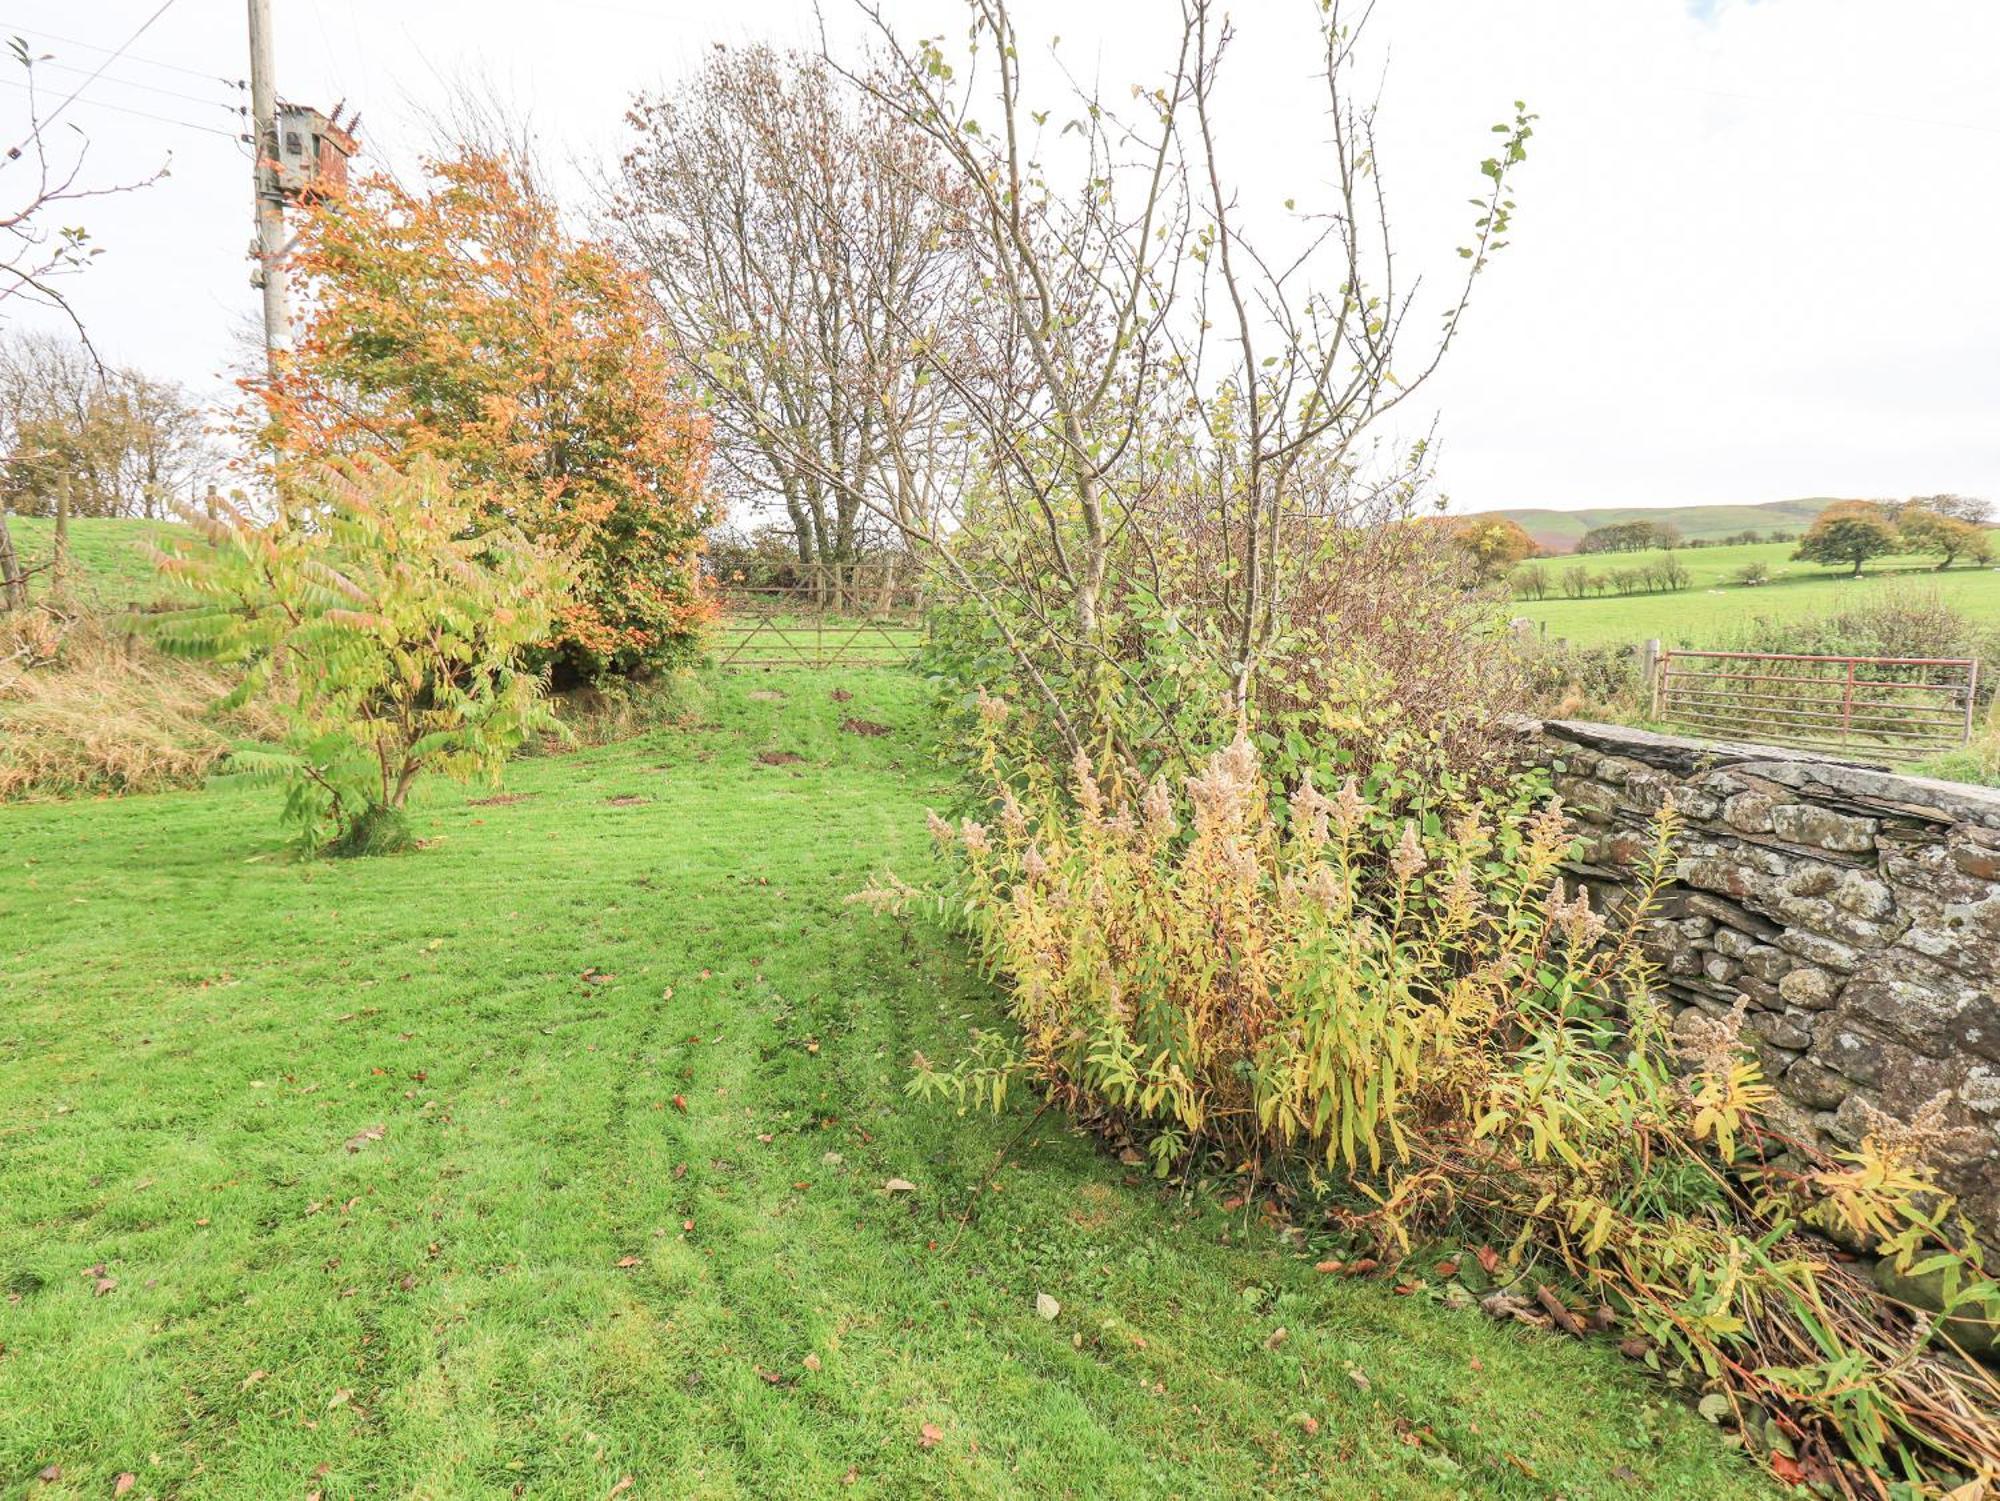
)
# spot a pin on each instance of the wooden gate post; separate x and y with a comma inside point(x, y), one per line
point(1653, 667)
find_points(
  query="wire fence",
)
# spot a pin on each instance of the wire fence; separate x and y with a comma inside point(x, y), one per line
point(1886, 708)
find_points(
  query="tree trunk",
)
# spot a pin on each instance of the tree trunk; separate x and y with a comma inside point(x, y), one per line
point(13, 588)
point(59, 561)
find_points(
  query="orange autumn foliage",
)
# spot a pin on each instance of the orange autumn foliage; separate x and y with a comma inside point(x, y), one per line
point(461, 321)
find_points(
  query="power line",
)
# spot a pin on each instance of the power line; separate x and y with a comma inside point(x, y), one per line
point(128, 110)
point(154, 88)
point(69, 41)
point(35, 127)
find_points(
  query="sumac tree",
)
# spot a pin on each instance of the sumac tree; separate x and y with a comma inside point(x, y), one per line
point(386, 631)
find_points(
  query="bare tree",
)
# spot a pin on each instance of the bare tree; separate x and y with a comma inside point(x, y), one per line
point(81, 439)
point(35, 255)
point(1132, 349)
point(798, 239)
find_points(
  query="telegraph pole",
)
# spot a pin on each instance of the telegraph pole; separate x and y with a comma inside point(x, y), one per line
point(270, 249)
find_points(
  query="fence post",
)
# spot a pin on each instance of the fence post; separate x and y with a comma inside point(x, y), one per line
point(1971, 697)
point(1653, 667)
point(1847, 705)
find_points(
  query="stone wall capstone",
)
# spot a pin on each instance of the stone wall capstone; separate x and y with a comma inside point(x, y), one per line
point(1857, 910)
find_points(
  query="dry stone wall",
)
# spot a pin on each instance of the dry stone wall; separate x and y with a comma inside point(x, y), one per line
point(1856, 909)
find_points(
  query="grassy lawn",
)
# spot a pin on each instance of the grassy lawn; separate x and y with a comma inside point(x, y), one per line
point(555, 1154)
point(1698, 616)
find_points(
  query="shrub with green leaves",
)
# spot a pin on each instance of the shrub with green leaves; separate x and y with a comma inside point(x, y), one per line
point(383, 630)
point(1400, 1004)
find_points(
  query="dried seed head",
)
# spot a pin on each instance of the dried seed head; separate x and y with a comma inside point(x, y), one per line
point(1461, 897)
point(1349, 808)
point(1324, 887)
point(1221, 794)
point(1013, 820)
point(1310, 810)
point(1711, 1043)
point(939, 829)
point(974, 835)
point(1033, 866)
point(1241, 759)
point(1573, 918)
point(1548, 830)
point(993, 711)
point(1408, 860)
point(1083, 778)
point(1156, 812)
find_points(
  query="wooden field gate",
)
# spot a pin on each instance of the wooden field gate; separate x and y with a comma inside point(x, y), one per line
point(1879, 708)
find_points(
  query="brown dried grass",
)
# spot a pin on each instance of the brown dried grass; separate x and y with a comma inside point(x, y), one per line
point(87, 709)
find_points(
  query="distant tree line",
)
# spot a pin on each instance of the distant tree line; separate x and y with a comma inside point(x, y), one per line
point(1580, 581)
point(1630, 536)
point(78, 439)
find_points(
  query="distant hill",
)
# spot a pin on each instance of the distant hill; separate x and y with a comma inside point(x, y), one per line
point(1559, 531)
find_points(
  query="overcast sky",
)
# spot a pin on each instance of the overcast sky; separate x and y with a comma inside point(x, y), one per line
point(1757, 254)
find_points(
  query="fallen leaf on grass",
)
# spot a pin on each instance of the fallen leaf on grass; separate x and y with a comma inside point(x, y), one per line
point(124, 1483)
point(1277, 1337)
point(361, 1139)
point(1448, 1269)
point(624, 1484)
point(52, 1474)
point(681, 1103)
point(253, 1378)
point(625, 1261)
point(899, 1186)
point(811, 1362)
point(1359, 1377)
point(853, 1474)
point(338, 1398)
point(1489, 1260)
point(1308, 1424)
point(929, 1436)
point(1046, 1306)
point(1326, 1266)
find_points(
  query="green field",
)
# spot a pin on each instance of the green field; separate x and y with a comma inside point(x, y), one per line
point(555, 1154)
point(1700, 615)
point(109, 554)
point(1559, 531)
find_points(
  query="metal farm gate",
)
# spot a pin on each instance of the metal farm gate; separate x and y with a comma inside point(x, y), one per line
point(1880, 708)
point(818, 624)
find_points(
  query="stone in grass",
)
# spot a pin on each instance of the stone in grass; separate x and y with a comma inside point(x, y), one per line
point(1046, 1306)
